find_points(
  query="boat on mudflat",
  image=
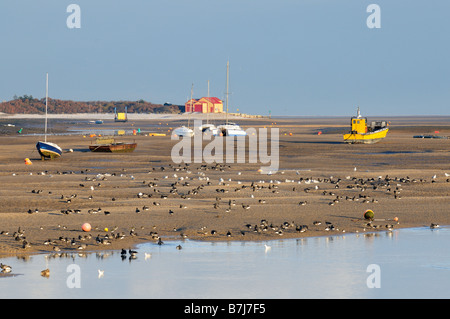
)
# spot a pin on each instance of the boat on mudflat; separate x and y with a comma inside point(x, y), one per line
point(111, 146)
point(430, 136)
point(47, 149)
point(183, 131)
point(361, 133)
point(208, 129)
point(231, 129)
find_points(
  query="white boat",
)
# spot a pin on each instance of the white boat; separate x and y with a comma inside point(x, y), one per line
point(229, 129)
point(47, 149)
point(208, 129)
point(183, 131)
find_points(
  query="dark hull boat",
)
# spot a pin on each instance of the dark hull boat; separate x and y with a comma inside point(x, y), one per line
point(113, 147)
point(48, 150)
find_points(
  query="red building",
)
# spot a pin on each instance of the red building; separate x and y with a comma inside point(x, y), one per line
point(204, 105)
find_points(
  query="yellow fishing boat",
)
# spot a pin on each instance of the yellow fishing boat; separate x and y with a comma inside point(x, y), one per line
point(361, 133)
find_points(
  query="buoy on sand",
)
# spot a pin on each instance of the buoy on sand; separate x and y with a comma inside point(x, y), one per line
point(27, 161)
point(369, 214)
point(86, 227)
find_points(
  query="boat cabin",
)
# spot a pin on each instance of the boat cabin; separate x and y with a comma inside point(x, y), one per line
point(359, 125)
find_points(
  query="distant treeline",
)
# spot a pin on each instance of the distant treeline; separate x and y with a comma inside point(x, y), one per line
point(28, 105)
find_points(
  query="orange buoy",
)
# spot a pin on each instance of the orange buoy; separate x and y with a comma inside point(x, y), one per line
point(27, 161)
point(86, 227)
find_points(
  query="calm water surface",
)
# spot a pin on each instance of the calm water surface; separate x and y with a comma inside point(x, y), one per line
point(413, 263)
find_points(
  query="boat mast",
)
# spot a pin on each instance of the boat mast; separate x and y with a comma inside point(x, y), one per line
point(228, 70)
point(207, 111)
point(46, 103)
point(189, 115)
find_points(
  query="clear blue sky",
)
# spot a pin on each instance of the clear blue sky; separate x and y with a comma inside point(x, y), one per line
point(292, 57)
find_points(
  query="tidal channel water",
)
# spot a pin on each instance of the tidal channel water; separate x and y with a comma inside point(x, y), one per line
point(406, 263)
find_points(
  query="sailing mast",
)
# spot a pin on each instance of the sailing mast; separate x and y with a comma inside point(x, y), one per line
point(228, 70)
point(189, 115)
point(46, 103)
point(47, 149)
point(207, 111)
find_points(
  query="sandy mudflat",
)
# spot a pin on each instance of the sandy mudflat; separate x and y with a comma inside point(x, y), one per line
point(393, 178)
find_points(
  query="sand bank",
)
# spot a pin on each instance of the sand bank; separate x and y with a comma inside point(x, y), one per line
point(144, 196)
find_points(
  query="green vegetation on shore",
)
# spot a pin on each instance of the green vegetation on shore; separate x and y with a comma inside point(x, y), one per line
point(28, 105)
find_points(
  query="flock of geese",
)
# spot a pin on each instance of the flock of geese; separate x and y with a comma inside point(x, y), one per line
point(388, 185)
point(182, 178)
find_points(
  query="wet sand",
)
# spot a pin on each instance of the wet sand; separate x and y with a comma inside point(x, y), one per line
point(338, 182)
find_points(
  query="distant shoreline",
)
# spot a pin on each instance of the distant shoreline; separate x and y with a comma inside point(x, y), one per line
point(181, 116)
point(131, 116)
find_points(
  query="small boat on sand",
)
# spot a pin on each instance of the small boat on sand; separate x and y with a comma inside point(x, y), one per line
point(183, 131)
point(429, 136)
point(361, 133)
point(109, 145)
point(47, 149)
point(229, 129)
point(208, 129)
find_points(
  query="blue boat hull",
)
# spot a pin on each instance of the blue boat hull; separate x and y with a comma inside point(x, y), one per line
point(48, 150)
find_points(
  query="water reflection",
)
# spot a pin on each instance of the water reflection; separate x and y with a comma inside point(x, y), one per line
point(414, 263)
